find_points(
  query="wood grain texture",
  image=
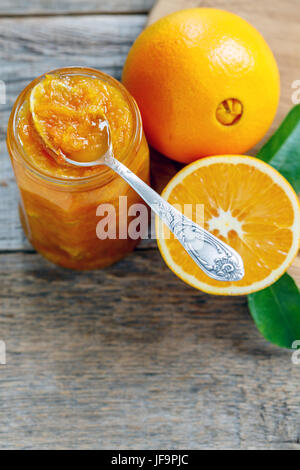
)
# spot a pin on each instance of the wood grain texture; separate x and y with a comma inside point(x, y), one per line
point(58, 7)
point(130, 357)
point(279, 23)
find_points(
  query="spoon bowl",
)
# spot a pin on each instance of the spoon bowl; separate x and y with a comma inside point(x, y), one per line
point(83, 157)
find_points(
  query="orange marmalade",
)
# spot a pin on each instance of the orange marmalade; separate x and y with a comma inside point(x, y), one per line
point(59, 202)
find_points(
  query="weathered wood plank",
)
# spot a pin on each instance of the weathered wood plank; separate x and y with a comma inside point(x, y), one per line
point(244, 8)
point(130, 357)
point(58, 7)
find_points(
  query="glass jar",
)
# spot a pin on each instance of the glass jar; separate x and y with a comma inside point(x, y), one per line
point(59, 214)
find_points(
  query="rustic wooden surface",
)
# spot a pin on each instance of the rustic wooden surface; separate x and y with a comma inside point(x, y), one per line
point(128, 357)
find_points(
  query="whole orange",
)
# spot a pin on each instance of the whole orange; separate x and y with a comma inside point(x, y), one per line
point(206, 83)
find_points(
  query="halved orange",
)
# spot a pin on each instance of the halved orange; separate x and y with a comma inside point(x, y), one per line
point(247, 204)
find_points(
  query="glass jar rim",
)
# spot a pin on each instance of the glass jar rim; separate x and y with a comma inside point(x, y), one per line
point(133, 144)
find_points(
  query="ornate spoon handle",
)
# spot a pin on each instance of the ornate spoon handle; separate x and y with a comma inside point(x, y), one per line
point(214, 257)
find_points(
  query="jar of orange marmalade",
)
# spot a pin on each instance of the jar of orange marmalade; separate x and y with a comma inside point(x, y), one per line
point(58, 207)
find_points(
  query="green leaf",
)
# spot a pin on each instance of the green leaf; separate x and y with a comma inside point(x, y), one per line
point(276, 309)
point(276, 312)
point(282, 151)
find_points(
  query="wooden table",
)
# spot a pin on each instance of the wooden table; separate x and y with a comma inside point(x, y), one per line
point(128, 357)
